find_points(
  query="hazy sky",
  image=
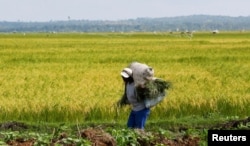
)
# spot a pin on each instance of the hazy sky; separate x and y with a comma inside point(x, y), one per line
point(46, 10)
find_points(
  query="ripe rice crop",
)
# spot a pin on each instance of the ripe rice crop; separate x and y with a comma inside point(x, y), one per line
point(76, 76)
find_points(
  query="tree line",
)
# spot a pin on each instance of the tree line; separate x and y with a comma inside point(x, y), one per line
point(181, 23)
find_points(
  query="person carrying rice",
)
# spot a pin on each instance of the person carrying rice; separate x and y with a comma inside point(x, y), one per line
point(142, 91)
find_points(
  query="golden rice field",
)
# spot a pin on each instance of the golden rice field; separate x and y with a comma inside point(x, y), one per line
point(76, 76)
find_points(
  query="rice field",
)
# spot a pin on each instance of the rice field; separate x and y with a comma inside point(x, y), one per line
point(73, 77)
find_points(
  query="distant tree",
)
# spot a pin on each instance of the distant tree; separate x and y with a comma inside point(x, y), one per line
point(190, 23)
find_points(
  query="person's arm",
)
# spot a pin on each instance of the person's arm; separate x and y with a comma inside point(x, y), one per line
point(124, 100)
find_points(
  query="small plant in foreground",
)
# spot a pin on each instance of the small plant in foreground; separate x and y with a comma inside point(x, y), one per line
point(125, 137)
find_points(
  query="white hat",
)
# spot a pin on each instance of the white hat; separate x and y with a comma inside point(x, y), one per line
point(126, 72)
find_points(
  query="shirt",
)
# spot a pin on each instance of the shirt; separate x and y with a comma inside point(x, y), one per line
point(131, 95)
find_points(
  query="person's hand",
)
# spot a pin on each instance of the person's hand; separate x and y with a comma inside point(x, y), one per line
point(141, 86)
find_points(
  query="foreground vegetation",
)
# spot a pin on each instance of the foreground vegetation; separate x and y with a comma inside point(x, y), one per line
point(17, 133)
point(75, 78)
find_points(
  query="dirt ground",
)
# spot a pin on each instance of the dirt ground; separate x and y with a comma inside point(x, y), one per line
point(99, 137)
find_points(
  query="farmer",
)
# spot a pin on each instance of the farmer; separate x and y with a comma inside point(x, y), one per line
point(139, 112)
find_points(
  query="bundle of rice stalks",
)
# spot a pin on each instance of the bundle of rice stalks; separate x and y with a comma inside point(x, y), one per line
point(153, 89)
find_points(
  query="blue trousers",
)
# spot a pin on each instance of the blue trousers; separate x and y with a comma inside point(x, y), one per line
point(137, 119)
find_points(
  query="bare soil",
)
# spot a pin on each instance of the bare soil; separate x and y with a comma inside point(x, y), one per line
point(99, 137)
